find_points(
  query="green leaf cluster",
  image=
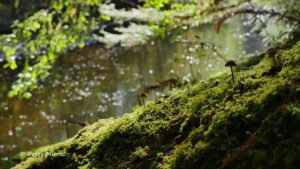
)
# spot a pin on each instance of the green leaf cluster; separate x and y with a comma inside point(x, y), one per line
point(39, 39)
point(157, 4)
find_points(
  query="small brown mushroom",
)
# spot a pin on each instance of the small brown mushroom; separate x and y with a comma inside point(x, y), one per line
point(272, 52)
point(231, 63)
point(141, 98)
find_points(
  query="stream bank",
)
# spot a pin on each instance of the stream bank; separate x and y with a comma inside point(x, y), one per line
point(252, 122)
point(97, 83)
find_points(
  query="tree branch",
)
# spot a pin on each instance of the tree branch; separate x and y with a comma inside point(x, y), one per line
point(254, 12)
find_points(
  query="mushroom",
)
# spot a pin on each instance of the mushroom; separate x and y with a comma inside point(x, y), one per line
point(272, 52)
point(141, 98)
point(231, 63)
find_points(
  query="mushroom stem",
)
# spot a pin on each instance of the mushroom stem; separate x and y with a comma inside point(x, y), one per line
point(143, 100)
point(231, 63)
point(232, 73)
point(139, 100)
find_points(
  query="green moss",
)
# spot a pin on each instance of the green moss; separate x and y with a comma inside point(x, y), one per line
point(255, 120)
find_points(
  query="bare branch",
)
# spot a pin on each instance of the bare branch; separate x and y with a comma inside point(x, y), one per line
point(255, 12)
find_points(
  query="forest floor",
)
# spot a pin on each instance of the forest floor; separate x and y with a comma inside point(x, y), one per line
point(252, 121)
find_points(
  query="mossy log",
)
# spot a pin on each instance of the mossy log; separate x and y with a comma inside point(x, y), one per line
point(253, 122)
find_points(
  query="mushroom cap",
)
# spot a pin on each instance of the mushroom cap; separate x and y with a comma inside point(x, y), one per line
point(230, 63)
point(142, 95)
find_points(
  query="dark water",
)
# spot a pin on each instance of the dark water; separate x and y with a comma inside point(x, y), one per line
point(95, 83)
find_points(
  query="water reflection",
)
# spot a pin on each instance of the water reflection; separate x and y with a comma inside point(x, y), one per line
point(93, 83)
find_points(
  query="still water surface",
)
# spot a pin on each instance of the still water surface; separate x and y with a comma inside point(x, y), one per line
point(95, 83)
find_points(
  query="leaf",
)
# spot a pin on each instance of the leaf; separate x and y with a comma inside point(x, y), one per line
point(11, 64)
point(27, 95)
point(81, 45)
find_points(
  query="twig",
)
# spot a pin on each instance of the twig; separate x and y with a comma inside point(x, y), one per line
point(82, 124)
point(254, 12)
point(209, 45)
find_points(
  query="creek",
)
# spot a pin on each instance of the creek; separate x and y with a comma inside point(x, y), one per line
point(96, 83)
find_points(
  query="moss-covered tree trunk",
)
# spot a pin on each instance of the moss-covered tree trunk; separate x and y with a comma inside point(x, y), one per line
point(253, 123)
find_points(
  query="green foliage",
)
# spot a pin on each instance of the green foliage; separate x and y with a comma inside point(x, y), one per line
point(39, 39)
point(200, 127)
point(157, 4)
point(140, 152)
point(168, 22)
point(36, 42)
